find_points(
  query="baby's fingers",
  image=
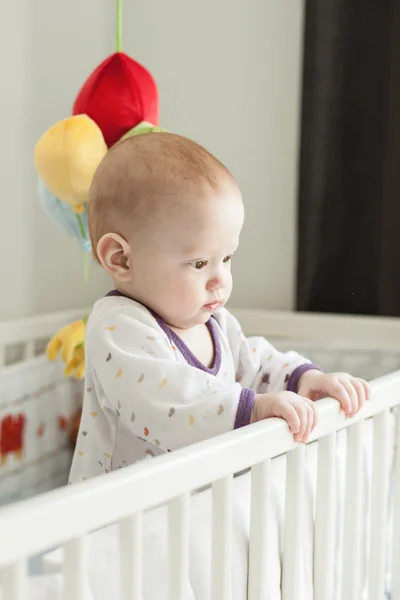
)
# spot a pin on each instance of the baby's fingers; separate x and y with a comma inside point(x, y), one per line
point(360, 391)
point(340, 393)
point(303, 418)
point(353, 396)
point(366, 387)
point(288, 413)
point(308, 419)
point(312, 413)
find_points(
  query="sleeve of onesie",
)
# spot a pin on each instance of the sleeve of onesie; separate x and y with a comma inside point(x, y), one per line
point(156, 397)
point(258, 364)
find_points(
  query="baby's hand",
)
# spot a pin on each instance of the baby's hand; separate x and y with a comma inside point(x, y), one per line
point(351, 392)
point(299, 413)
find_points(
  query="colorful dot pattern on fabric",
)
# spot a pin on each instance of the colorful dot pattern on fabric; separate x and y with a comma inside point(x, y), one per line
point(118, 373)
point(94, 413)
point(112, 328)
point(266, 378)
point(163, 383)
point(108, 357)
point(171, 412)
point(191, 420)
point(146, 431)
point(140, 378)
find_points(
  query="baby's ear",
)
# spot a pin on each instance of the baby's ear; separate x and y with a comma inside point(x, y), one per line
point(114, 254)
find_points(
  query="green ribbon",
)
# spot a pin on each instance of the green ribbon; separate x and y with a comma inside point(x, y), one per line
point(118, 43)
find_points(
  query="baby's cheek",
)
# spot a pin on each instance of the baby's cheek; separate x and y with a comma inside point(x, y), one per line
point(228, 286)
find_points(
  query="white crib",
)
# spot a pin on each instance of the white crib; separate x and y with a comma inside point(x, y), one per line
point(122, 505)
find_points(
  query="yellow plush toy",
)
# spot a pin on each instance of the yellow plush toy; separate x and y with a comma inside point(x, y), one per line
point(67, 156)
point(69, 343)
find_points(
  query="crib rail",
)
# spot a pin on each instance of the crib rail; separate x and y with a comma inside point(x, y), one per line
point(66, 516)
point(31, 333)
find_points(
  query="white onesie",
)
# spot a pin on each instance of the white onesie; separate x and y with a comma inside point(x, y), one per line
point(147, 394)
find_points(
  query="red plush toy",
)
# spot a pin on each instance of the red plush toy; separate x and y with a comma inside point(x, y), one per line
point(118, 95)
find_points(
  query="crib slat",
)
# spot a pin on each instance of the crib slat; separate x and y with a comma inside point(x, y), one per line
point(131, 554)
point(352, 539)
point(258, 551)
point(221, 539)
point(379, 502)
point(178, 523)
point(324, 535)
point(74, 569)
point(29, 349)
point(293, 526)
point(14, 581)
point(395, 571)
point(2, 356)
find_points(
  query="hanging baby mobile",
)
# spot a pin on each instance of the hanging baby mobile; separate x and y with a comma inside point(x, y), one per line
point(119, 99)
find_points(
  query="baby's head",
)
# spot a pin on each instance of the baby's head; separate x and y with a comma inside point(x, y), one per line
point(165, 218)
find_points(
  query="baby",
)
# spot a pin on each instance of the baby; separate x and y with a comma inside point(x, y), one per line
point(166, 364)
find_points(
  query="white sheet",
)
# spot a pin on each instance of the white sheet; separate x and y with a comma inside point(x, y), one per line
point(103, 545)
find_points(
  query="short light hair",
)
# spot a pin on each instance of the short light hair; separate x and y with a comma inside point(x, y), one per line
point(141, 169)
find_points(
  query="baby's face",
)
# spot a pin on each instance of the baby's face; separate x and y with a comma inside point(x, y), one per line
point(182, 270)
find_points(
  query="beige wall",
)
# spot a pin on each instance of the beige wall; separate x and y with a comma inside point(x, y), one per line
point(228, 74)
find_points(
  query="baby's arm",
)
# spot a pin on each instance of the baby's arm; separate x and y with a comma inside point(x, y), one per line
point(156, 397)
point(259, 365)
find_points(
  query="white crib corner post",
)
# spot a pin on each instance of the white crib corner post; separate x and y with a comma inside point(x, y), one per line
point(293, 526)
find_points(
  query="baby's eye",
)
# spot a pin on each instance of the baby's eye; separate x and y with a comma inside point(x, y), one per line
point(199, 264)
point(228, 258)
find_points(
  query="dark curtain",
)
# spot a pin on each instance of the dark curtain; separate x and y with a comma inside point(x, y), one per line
point(349, 171)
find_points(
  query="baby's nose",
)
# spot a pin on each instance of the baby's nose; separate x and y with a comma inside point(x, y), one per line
point(215, 284)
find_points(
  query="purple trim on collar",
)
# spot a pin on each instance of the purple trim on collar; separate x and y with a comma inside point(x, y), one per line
point(245, 407)
point(294, 379)
point(116, 293)
point(188, 355)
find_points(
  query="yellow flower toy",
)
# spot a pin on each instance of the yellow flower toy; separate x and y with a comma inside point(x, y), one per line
point(69, 343)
